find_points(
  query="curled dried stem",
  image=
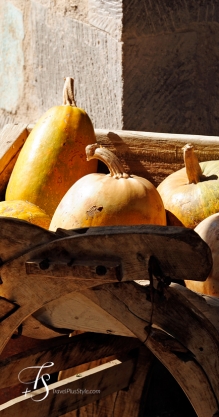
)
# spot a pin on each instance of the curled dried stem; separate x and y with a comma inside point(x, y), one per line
point(114, 165)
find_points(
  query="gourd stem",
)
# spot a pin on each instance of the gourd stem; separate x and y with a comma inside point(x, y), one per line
point(68, 92)
point(193, 169)
point(114, 165)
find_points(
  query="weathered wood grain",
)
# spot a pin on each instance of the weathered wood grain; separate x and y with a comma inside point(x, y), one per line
point(74, 311)
point(33, 328)
point(173, 313)
point(172, 247)
point(6, 307)
point(12, 138)
point(207, 305)
point(160, 62)
point(129, 402)
point(107, 16)
point(18, 236)
point(106, 379)
point(189, 375)
point(65, 50)
point(66, 352)
point(155, 155)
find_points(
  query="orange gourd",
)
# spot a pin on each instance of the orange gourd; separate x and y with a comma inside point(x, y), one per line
point(109, 199)
point(192, 193)
point(24, 210)
point(208, 229)
point(52, 158)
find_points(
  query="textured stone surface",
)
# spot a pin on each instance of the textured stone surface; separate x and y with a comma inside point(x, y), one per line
point(171, 67)
point(12, 56)
point(138, 64)
point(91, 56)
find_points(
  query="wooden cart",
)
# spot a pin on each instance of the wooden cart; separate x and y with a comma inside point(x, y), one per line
point(117, 291)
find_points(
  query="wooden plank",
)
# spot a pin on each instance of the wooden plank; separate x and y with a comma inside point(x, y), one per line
point(12, 138)
point(89, 386)
point(90, 317)
point(79, 349)
point(74, 311)
point(31, 327)
point(155, 155)
point(172, 248)
point(129, 402)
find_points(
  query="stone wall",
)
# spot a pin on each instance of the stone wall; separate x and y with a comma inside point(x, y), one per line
point(138, 64)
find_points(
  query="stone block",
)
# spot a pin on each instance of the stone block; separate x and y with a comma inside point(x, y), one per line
point(138, 65)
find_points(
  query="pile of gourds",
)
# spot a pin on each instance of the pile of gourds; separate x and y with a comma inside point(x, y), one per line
point(55, 183)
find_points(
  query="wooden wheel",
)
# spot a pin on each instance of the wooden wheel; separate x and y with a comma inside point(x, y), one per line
point(177, 326)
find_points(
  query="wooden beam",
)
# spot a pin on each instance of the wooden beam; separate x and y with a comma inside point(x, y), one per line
point(155, 155)
point(74, 392)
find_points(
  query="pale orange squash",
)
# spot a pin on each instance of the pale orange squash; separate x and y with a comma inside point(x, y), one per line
point(24, 210)
point(192, 193)
point(109, 199)
point(208, 229)
point(52, 158)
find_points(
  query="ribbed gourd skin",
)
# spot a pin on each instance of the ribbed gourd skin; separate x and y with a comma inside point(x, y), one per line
point(52, 158)
point(24, 210)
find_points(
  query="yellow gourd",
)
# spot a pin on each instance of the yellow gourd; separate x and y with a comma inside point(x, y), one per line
point(52, 158)
point(24, 210)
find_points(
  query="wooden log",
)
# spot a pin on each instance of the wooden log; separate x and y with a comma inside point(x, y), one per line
point(84, 388)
